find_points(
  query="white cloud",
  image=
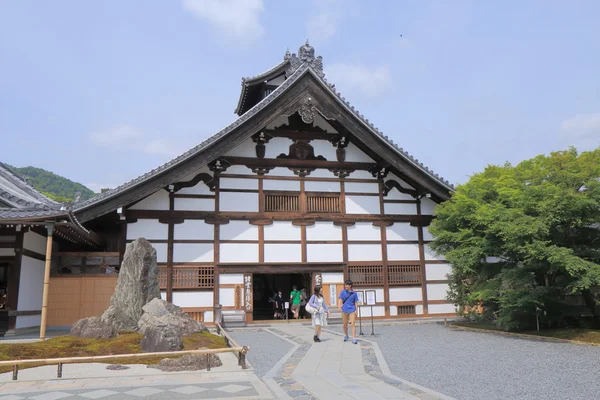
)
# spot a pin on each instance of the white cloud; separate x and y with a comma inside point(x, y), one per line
point(368, 81)
point(236, 19)
point(582, 130)
point(322, 24)
point(126, 137)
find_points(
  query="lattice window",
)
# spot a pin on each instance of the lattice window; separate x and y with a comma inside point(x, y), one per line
point(404, 274)
point(189, 277)
point(407, 310)
point(282, 202)
point(366, 275)
point(323, 202)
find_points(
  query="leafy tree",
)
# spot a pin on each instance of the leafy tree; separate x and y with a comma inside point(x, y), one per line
point(524, 241)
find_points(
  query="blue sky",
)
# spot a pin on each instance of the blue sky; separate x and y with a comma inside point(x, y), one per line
point(104, 91)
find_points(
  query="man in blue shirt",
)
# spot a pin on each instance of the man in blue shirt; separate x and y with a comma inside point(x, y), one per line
point(347, 303)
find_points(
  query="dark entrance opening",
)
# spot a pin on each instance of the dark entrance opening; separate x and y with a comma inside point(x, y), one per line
point(265, 286)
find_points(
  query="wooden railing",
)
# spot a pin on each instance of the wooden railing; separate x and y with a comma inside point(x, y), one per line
point(234, 345)
point(88, 263)
point(188, 277)
point(399, 273)
point(241, 350)
point(404, 274)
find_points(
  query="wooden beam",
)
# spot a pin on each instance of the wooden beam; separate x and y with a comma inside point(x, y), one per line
point(291, 163)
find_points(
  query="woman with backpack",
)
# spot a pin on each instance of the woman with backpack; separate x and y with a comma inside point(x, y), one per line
point(317, 307)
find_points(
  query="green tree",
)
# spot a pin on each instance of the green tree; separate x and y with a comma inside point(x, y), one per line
point(525, 240)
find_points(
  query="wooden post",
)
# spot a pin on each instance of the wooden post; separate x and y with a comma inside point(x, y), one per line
point(50, 228)
point(15, 372)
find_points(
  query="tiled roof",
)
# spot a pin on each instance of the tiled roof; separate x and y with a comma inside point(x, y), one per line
point(29, 213)
point(15, 192)
point(302, 69)
point(255, 79)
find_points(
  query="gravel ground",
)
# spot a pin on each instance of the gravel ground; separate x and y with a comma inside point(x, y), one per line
point(476, 366)
point(266, 349)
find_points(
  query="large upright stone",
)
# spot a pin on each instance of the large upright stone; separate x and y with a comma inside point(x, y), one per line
point(137, 285)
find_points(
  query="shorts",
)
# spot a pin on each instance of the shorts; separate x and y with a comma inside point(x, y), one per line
point(295, 306)
point(348, 317)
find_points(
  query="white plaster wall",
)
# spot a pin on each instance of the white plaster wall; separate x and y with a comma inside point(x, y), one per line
point(402, 231)
point(193, 229)
point(353, 154)
point(238, 202)
point(194, 204)
point(146, 228)
point(419, 309)
point(163, 295)
point(332, 277)
point(282, 171)
point(399, 180)
point(193, 252)
point(239, 170)
point(238, 252)
point(361, 174)
point(7, 252)
point(430, 254)
point(26, 321)
point(426, 234)
point(403, 252)
point(231, 279)
point(325, 149)
point(156, 201)
point(441, 309)
point(427, 206)
point(31, 284)
point(238, 183)
point(393, 311)
point(245, 149)
point(323, 231)
point(378, 311)
point(437, 291)
point(364, 231)
point(360, 187)
point(209, 316)
point(34, 242)
point(323, 124)
point(400, 208)
point(394, 194)
point(324, 253)
point(406, 294)
point(239, 230)
point(193, 298)
point(322, 173)
point(227, 297)
point(320, 186)
point(282, 230)
point(280, 120)
point(161, 252)
point(364, 252)
point(271, 184)
point(362, 204)
point(437, 272)
point(283, 253)
point(276, 146)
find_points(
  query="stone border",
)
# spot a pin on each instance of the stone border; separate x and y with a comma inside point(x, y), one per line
point(283, 376)
point(375, 365)
point(519, 335)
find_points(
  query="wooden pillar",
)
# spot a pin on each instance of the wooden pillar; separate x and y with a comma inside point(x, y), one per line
point(422, 260)
point(344, 228)
point(384, 252)
point(216, 254)
point(50, 229)
point(170, 238)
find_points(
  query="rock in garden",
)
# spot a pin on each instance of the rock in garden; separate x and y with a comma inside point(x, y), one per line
point(192, 362)
point(93, 327)
point(137, 285)
point(160, 339)
point(117, 367)
point(159, 313)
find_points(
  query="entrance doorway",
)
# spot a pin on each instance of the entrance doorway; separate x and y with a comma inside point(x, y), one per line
point(265, 286)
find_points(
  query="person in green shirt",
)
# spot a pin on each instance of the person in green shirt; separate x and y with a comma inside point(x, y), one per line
point(295, 299)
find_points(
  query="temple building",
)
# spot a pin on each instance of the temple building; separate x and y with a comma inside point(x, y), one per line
point(300, 190)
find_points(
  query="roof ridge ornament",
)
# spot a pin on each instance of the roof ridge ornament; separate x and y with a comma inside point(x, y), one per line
point(306, 55)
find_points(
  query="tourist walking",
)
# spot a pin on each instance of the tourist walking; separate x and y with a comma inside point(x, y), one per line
point(347, 303)
point(295, 299)
point(319, 317)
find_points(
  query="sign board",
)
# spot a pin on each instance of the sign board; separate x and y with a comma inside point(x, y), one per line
point(361, 296)
point(371, 300)
point(287, 305)
point(332, 295)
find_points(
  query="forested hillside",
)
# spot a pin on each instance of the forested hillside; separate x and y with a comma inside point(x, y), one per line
point(54, 186)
